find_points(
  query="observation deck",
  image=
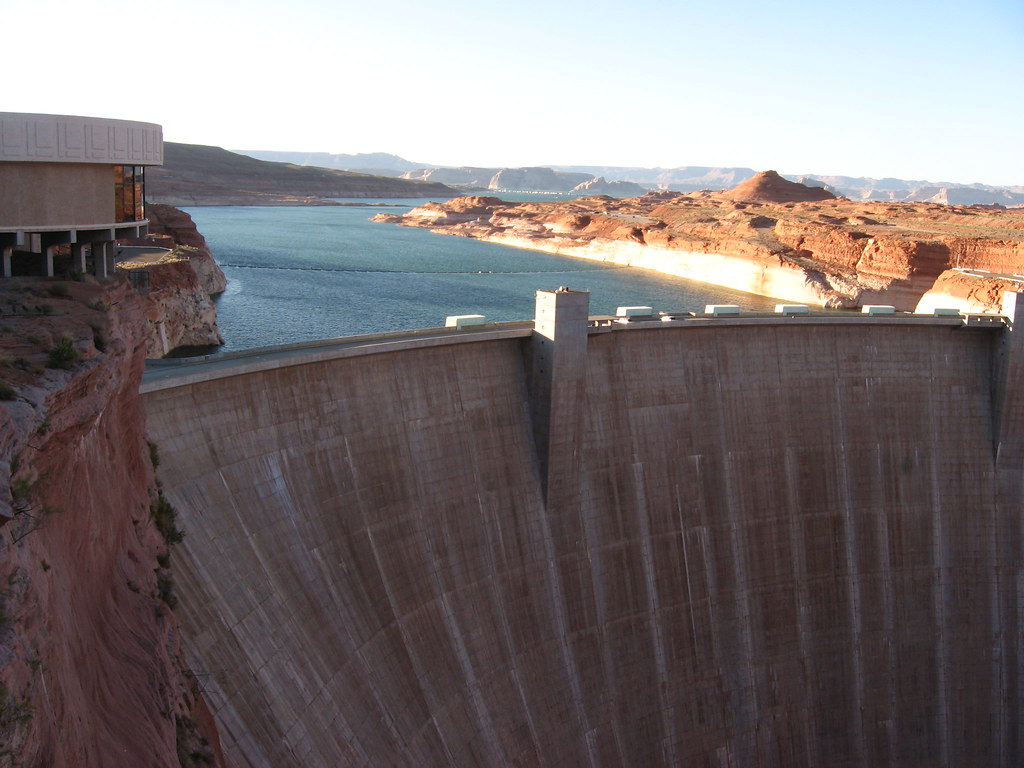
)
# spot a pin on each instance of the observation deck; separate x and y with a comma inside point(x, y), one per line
point(71, 181)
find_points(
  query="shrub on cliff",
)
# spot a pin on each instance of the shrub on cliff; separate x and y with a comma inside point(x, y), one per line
point(62, 355)
point(166, 519)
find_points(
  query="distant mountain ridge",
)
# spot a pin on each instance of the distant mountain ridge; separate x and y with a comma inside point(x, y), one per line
point(691, 178)
point(378, 163)
point(194, 174)
point(687, 178)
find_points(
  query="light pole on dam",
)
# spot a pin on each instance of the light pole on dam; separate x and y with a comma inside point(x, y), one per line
point(771, 541)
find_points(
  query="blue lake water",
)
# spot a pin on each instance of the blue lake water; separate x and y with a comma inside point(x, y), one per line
point(304, 273)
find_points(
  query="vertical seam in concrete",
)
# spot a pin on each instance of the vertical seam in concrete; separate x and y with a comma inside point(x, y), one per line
point(557, 601)
point(408, 647)
point(596, 566)
point(363, 662)
point(1017, 608)
point(654, 609)
point(357, 653)
point(803, 598)
point(741, 597)
point(483, 717)
point(506, 630)
point(941, 590)
point(1000, 681)
point(741, 589)
point(889, 620)
point(713, 600)
point(852, 578)
point(686, 570)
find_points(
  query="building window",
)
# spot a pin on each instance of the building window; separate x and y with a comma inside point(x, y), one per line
point(129, 193)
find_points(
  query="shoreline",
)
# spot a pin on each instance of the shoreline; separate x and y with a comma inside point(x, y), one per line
point(781, 280)
point(829, 253)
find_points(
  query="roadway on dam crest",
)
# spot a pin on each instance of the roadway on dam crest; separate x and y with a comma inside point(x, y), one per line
point(745, 541)
point(167, 372)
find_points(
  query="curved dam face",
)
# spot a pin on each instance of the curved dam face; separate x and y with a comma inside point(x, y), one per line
point(782, 543)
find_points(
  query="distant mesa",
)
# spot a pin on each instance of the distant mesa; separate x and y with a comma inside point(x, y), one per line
point(770, 187)
point(540, 179)
point(600, 186)
point(536, 180)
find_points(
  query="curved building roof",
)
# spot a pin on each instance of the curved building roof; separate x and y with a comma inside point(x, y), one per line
point(70, 139)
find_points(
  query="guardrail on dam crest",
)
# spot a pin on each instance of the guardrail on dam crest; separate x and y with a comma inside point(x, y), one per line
point(736, 541)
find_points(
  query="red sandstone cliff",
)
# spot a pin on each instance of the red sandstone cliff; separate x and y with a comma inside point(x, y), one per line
point(168, 221)
point(767, 236)
point(91, 669)
point(182, 285)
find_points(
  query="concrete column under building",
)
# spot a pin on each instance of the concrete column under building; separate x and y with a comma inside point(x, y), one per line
point(78, 257)
point(100, 259)
point(111, 256)
point(48, 260)
point(558, 387)
point(8, 242)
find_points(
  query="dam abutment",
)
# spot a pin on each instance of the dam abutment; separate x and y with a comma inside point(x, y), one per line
point(741, 541)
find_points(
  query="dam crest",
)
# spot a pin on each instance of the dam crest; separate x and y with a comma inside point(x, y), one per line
point(737, 541)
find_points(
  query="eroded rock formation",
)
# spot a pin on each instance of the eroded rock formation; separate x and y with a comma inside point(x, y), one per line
point(767, 236)
point(769, 187)
point(174, 223)
point(182, 284)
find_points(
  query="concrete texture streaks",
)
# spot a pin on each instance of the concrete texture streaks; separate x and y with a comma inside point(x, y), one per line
point(784, 544)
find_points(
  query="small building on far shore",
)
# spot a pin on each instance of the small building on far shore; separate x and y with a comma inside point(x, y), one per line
point(71, 185)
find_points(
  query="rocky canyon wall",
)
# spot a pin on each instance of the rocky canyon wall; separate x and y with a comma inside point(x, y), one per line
point(91, 670)
point(780, 544)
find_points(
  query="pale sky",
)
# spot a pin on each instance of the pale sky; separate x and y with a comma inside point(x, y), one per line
point(915, 89)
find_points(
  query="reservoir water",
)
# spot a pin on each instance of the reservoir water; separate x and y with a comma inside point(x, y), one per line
point(305, 273)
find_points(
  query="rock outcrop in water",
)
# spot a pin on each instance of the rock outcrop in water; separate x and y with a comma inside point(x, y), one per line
point(767, 236)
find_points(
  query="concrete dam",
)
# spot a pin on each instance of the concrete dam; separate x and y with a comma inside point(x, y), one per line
point(750, 541)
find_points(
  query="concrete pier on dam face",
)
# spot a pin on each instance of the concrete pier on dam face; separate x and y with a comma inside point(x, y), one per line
point(775, 544)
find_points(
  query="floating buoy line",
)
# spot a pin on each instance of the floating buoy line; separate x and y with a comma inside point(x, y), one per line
point(426, 271)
